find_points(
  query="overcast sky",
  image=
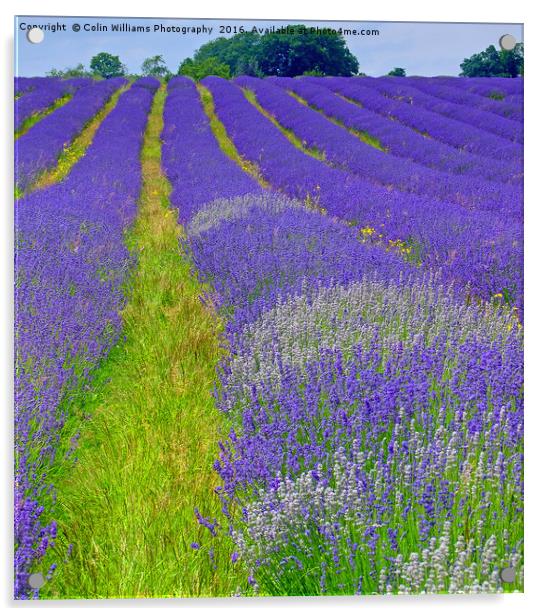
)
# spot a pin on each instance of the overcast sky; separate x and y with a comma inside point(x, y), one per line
point(420, 48)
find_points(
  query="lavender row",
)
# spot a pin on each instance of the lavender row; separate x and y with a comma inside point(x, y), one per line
point(486, 86)
point(39, 148)
point(360, 403)
point(219, 198)
point(282, 249)
point(454, 133)
point(474, 250)
point(43, 97)
point(432, 97)
point(504, 108)
point(23, 85)
point(71, 264)
point(349, 152)
point(196, 167)
point(400, 140)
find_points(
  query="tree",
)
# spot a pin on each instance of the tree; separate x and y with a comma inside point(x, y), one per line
point(106, 65)
point(494, 63)
point(297, 49)
point(199, 70)
point(155, 66)
point(76, 71)
point(397, 72)
point(238, 52)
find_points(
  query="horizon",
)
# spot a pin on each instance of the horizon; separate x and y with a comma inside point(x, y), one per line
point(421, 48)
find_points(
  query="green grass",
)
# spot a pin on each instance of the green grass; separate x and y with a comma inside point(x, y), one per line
point(147, 446)
point(36, 117)
point(226, 144)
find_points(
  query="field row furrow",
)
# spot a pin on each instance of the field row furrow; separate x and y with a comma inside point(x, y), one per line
point(398, 139)
point(510, 106)
point(490, 88)
point(435, 234)
point(432, 98)
point(43, 97)
point(348, 152)
point(453, 132)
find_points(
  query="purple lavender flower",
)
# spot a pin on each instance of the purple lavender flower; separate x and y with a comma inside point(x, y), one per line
point(71, 264)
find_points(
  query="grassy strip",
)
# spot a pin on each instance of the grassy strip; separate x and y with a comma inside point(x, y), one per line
point(146, 453)
point(226, 144)
point(73, 152)
point(36, 117)
point(361, 134)
point(289, 134)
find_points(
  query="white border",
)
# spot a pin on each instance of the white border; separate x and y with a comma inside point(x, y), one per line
point(535, 171)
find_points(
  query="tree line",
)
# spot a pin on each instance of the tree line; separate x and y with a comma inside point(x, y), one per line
point(291, 52)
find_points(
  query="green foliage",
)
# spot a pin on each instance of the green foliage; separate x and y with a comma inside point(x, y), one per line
point(291, 52)
point(314, 73)
point(496, 96)
point(197, 70)
point(494, 63)
point(155, 66)
point(106, 65)
point(76, 71)
point(238, 52)
point(298, 50)
point(397, 72)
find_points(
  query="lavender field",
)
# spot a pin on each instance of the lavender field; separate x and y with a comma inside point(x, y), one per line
point(269, 334)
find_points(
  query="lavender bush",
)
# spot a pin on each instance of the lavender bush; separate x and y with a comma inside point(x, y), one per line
point(377, 424)
point(196, 167)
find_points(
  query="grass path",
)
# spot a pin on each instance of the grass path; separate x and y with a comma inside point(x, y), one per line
point(224, 141)
point(146, 454)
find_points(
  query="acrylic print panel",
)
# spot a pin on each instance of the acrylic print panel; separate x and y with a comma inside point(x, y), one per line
point(269, 308)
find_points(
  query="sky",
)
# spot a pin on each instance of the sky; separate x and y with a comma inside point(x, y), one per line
point(421, 48)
